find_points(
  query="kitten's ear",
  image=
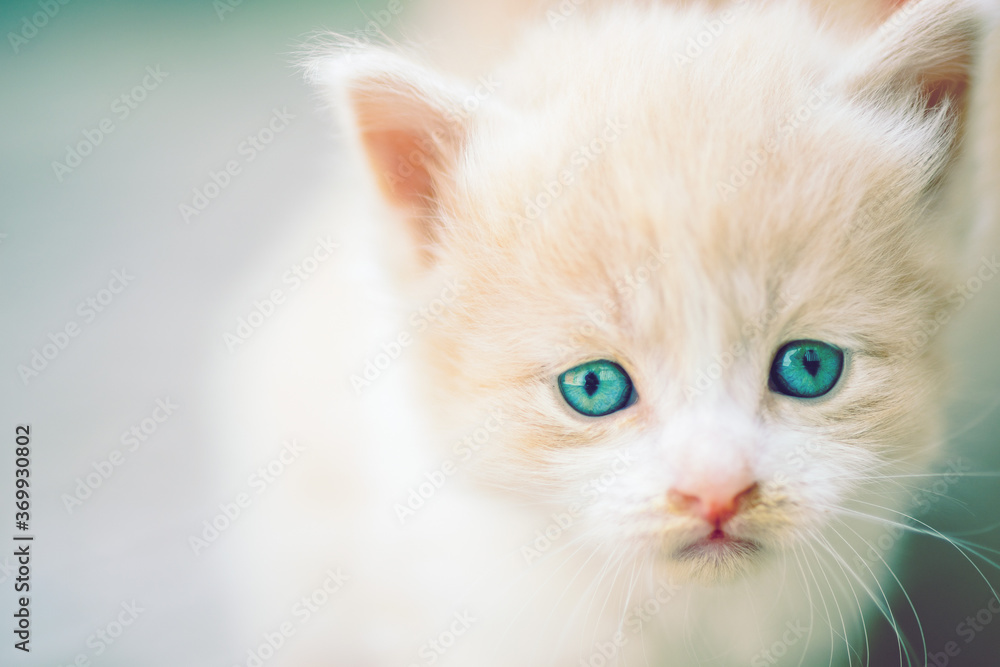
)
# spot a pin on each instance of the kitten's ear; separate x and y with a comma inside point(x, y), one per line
point(925, 46)
point(937, 56)
point(410, 124)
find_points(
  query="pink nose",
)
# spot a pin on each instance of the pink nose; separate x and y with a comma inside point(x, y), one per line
point(714, 500)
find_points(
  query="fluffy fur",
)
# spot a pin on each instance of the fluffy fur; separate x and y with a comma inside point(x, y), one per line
point(607, 193)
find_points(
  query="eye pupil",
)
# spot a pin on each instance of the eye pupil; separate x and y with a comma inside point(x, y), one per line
point(811, 362)
point(591, 383)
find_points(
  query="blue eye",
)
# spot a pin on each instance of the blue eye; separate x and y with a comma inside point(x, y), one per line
point(806, 368)
point(596, 388)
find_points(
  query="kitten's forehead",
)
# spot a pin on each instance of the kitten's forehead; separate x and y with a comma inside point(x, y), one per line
point(731, 217)
point(750, 172)
point(637, 128)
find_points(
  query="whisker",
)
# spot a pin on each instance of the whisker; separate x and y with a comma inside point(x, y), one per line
point(980, 531)
point(633, 579)
point(594, 586)
point(845, 568)
point(603, 574)
point(933, 475)
point(826, 609)
point(839, 560)
point(930, 530)
point(538, 590)
point(836, 601)
point(886, 608)
point(916, 615)
point(812, 615)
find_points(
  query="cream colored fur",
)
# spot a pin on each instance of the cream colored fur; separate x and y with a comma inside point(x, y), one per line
point(849, 227)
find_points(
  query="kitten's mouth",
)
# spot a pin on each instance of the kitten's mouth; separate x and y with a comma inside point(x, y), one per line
point(718, 544)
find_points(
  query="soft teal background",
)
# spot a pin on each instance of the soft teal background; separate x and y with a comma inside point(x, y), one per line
point(120, 209)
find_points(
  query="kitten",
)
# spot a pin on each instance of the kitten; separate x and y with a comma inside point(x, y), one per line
point(645, 346)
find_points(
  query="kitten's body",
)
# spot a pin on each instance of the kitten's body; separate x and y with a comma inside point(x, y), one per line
point(832, 235)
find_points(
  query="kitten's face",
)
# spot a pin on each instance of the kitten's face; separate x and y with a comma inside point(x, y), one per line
point(637, 256)
point(607, 225)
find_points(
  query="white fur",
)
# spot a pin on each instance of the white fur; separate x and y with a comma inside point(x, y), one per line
point(839, 234)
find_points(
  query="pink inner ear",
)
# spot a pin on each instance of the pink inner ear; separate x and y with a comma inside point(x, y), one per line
point(886, 8)
point(877, 12)
point(939, 88)
point(404, 164)
point(410, 144)
point(949, 78)
point(933, 51)
point(400, 166)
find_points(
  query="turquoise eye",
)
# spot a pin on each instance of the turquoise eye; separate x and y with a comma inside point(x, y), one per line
point(596, 388)
point(806, 368)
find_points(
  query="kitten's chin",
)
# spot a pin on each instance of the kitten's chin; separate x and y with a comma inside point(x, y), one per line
point(716, 559)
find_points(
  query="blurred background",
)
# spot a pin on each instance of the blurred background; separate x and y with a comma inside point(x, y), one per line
point(221, 71)
point(129, 242)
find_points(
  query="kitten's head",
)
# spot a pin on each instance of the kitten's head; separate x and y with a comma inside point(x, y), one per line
point(701, 261)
